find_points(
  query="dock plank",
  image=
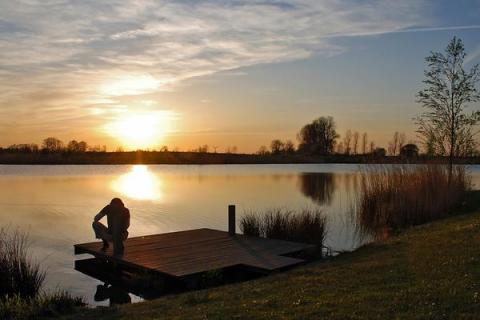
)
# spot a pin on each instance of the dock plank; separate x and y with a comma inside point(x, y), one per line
point(190, 252)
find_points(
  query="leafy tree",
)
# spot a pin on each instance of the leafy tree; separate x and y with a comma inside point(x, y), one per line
point(409, 150)
point(318, 137)
point(446, 127)
point(379, 152)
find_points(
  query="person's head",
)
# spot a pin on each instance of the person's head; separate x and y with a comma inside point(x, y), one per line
point(117, 202)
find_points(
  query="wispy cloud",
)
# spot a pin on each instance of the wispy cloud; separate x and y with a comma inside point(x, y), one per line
point(66, 54)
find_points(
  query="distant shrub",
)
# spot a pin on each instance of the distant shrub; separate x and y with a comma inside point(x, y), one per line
point(307, 226)
point(396, 197)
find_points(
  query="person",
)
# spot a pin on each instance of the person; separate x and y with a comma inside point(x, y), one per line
point(118, 221)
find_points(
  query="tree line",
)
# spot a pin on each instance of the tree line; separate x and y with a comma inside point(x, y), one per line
point(52, 144)
point(320, 138)
point(445, 128)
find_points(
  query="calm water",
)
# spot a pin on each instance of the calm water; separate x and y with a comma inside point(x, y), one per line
point(56, 204)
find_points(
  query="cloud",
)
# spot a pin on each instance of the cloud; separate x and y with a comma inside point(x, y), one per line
point(66, 53)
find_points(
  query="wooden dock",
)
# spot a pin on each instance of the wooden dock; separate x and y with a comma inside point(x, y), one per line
point(185, 253)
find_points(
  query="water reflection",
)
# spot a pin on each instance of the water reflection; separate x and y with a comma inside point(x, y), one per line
point(138, 184)
point(318, 186)
point(114, 294)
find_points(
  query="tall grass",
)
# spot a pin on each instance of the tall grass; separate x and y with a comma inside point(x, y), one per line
point(307, 225)
point(21, 281)
point(19, 275)
point(395, 197)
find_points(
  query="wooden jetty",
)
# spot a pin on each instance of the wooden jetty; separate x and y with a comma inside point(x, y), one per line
point(186, 253)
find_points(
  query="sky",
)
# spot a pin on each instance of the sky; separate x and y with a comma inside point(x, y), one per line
point(143, 74)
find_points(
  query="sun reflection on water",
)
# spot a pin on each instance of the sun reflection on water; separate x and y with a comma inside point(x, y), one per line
point(138, 184)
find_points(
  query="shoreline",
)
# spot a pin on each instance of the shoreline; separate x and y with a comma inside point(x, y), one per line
point(196, 158)
point(382, 279)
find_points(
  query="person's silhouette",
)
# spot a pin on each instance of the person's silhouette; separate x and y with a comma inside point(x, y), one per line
point(118, 221)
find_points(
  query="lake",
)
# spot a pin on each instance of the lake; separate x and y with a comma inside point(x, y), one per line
point(56, 204)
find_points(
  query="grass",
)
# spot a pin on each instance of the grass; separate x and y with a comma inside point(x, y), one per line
point(427, 272)
point(21, 280)
point(308, 225)
point(19, 275)
point(42, 306)
point(397, 197)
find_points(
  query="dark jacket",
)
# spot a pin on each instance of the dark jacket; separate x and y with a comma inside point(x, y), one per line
point(118, 219)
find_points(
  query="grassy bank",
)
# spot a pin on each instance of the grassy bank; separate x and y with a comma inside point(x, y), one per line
point(428, 272)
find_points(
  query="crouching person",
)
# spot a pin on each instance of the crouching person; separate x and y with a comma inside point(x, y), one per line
point(118, 221)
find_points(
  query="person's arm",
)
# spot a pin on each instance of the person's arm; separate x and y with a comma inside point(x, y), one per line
point(127, 220)
point(100, 215)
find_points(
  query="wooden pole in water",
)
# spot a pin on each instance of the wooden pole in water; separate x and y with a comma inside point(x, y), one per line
point(231, 220)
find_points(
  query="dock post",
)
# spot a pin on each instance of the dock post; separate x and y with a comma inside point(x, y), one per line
point(231, 220)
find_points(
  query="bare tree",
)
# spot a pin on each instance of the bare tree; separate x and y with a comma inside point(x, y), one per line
point(289, 146)
point(347, 140)
point(340, 148)
point(52, 144)
point(356, 136)
point(364, 142)
point(231, 149)
point(263, 150)
point(77, 146)
point(276, 146)
point(393, 145)
point(445, 124)
point(402, 138)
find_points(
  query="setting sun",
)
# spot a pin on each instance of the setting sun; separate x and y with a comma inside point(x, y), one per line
point(141, 130)
point(138, 184)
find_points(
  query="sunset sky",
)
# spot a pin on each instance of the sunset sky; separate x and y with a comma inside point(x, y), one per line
point(191, 72)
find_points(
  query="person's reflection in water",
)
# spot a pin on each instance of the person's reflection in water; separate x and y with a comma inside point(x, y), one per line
point(318, 186)
point(115, 294)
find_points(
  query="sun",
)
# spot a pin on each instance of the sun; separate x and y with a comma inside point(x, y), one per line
point(139, 184)
point(141, 130)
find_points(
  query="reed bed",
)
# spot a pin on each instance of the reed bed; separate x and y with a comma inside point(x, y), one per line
point(396, 197)
point(19, 275)
point(307, 225)
point(21, 281)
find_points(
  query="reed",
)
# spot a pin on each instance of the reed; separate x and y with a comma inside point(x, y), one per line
point(307, 225)
point(21, 281)
point(19, 274)
point(396, 197)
